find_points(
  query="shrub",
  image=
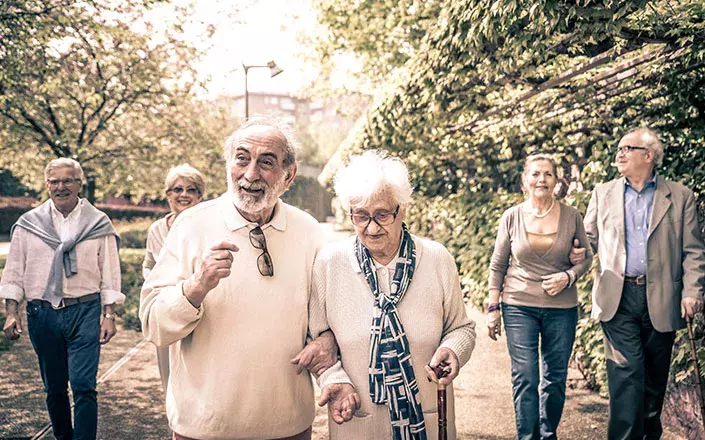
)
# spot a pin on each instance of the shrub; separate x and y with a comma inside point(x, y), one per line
point(131, 267)
point(467, 225)
point(11, 208)
point(133, 234)
point(130, 212)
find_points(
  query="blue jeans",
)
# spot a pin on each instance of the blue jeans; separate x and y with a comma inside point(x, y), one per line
point(553, 331)
point(67, 344)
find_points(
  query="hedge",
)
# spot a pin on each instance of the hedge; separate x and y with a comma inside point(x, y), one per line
point(11, 208)
point(131, 270)
point(467, 225)
point(133, 234)
point(131, 267)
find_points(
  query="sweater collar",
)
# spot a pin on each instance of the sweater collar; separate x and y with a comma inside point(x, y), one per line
point(234, 220)
point(350, 243)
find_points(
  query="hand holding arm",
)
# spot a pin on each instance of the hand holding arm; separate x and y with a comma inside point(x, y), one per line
point(318, 355)
point(342, 401)
point(555, 283)
point(577, 253)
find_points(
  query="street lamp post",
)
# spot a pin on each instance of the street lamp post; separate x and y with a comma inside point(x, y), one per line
point(273, 68)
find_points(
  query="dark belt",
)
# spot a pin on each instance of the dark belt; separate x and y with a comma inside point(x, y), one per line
point(66, 302)
point(639, 281)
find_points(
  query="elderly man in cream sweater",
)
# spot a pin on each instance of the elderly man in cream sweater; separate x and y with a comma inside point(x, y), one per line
point(230, 295)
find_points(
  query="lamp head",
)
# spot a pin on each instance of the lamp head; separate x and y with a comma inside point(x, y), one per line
point(274, 69)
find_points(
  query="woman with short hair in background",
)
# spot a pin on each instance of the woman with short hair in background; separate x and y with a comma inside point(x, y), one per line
point(184, 186)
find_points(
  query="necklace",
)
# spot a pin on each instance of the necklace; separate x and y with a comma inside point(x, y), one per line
point(535, 211)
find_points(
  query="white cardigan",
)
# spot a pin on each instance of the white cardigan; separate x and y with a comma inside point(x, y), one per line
point(432, 312)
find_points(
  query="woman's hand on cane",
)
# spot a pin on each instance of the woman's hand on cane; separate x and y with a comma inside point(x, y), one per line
point(444, 366)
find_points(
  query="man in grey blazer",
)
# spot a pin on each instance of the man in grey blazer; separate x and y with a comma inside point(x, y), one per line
point(650, 275)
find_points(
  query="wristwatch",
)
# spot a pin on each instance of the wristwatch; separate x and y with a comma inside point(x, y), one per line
point(109, 316)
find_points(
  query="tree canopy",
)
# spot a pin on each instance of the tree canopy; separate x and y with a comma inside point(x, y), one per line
point(95, 81)
point(493, 81)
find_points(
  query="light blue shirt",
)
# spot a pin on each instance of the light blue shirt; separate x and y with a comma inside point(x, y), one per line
point(637, 215)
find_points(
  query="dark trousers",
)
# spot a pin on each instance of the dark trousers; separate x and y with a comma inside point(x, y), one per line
point(538, 404)
point(638, 362)
point(67, 344)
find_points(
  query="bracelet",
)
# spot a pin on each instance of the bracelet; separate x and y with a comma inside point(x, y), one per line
point(493, 307)
point(571, 278)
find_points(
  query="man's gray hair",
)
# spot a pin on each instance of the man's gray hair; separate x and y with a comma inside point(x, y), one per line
point(651, 141)
point(370, 174)
point(288, 142)
point(64, 162)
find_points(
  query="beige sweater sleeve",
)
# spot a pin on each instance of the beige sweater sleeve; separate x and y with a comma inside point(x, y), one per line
point(318, 322)
point(166, 315)
point(458, 329)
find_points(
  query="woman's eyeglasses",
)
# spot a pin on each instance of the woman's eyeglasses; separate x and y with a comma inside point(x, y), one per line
point(190, 190)
point(264, 261)
point(382, 218)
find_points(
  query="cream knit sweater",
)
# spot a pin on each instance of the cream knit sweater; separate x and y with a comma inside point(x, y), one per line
point(230, 372)
point(432, 312)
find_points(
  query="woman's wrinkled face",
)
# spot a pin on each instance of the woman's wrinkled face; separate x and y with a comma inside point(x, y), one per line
point(381, 240)
point(540, 179)
point(182, 195)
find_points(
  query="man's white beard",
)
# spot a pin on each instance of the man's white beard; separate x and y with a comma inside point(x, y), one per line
point(251, 204)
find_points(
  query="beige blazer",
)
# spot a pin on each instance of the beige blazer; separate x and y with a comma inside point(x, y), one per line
point(675, 265)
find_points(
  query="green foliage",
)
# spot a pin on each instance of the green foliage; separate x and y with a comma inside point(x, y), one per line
point(467, 225)
point(131, 267)
point(133, 234)
point(98, 82)
point(491, 82)
point(10, 186)
point(305, 193)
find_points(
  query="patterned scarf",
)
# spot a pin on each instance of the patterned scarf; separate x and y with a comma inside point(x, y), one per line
point(392, 379)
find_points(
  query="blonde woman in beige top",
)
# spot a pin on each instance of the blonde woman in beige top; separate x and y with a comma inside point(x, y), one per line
point(533, 277)
point(184, 187)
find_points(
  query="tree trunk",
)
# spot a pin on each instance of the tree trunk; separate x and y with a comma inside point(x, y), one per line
point(89, 188)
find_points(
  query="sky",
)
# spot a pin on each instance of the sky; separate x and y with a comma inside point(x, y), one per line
point(251, 32)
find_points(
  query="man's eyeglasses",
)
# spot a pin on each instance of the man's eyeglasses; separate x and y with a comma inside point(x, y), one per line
point(66, 182)
point(264, 261)
point(628, 149)
point(190, 190)
point(382, 218)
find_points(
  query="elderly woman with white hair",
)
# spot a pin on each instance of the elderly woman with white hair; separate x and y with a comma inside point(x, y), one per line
point(184, 187)
point(394, 303)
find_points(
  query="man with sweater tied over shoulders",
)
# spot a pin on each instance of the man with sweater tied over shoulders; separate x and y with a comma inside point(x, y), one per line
point(229, 296)
point(64, 262)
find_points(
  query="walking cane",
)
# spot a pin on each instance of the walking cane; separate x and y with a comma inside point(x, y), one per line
point(694, 353)
point(442, 414)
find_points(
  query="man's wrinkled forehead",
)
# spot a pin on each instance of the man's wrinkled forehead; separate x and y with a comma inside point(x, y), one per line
point(263, 137)
point(633, 139)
